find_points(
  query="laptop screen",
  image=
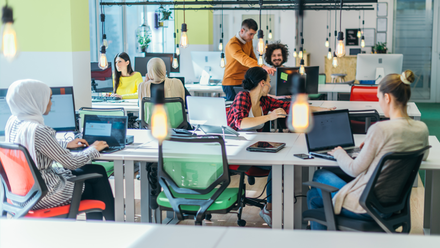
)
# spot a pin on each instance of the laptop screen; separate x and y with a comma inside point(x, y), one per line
point(207, 111)
point(330, 129)
point(112, 129)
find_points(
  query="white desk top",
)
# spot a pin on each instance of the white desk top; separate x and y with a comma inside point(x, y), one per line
point(341, 88)
point(130, 105)
point(204, 88)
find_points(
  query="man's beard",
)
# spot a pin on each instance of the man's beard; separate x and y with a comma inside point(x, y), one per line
point(277, 62)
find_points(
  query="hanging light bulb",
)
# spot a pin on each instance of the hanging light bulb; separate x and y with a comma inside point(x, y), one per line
point(302, 70)
point(103, 62)
point(222, 60)
point(177, 50)
point(335, 62)
point(175, 62)
point(260, 60)
point(329, 54)
point(363, 42)
point(267, 43)
point(340, 49)
point(327, 44)
point(300, 117)
point(359, 34)
point(184, 36)
point(160, 126)
point(300, 54)
point(220, 45)
point(104, 41)
point(295, 54)
point(260, 42)
point(9, 47)
point(270, 34)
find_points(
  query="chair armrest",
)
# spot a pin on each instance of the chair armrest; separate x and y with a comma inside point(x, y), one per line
point(77, 192)
point(84, 177)
point(321, 186)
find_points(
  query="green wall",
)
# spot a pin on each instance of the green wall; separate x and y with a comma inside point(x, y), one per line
point(51, 25)
point(199, 23)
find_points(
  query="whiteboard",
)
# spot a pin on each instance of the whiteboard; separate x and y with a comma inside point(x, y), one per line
point(370, 37)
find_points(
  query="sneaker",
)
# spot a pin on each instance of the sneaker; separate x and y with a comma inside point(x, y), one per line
point(266, 215)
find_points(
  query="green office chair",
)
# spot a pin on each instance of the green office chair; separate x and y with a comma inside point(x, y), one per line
point(194, 175)
point(175, 108)
point(321, 80)
point(109, 166)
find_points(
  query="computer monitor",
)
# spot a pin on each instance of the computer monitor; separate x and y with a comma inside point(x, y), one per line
point(374, 67)
point(284, 77)
point(61, 116)
point(208, 64)
point(101, 79)
point(140, 63)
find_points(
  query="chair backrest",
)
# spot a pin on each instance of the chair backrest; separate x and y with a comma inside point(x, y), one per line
point(364, 93)
point(322, 78)
point(22, 185)
point(175, 108)
point(193, 166)
point(98, 111)
point(361, 120)
point(387, 193)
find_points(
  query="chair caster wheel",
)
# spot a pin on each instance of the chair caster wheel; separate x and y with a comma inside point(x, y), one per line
point(208, 217)
point(241, 222)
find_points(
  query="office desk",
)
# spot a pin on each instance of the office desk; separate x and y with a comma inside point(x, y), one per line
point(294, 175)
point(332, 90)
point(130, 105)
point(193, 88)
point(145, 149)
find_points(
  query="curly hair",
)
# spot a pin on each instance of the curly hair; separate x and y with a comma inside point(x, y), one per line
point(272, 47)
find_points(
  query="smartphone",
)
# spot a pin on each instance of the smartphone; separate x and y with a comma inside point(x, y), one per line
point(303, 156)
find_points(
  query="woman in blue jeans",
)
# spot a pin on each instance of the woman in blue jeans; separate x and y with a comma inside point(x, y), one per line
point(398, 134)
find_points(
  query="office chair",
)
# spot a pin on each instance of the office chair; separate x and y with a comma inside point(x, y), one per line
point(175, 108)
point(387, 193)
point(23, 186)
point(364, 93)
point(194, 175)
point(109, 166)
point(361, 120)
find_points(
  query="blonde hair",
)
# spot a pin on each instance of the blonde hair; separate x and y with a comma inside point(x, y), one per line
point(398, 85)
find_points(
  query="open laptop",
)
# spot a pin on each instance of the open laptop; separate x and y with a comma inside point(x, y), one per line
point(331, 129)
point(209, 115)
point(112, 129)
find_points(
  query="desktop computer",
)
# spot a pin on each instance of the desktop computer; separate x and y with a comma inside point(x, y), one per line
point(140, 63)
point(374, 67)
point(101, 79)
point(206, 67)
point(284, 77)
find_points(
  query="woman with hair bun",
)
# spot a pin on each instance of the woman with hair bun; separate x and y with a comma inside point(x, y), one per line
point(399, 134)
point(250, 110)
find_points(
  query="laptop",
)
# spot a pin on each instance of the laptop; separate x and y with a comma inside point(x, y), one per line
point(112, 129)
point(331, 129)
point(209, 115)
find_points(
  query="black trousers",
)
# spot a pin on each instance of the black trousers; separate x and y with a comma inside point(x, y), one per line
point(97, 189)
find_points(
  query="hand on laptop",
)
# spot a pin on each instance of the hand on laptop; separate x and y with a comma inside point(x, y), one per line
point(277, 113)
point(99, 145)
point(77, 143)
point(332, 152)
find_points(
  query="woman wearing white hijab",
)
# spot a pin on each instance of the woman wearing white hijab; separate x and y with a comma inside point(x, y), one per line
point(156, 77)
point(26, 127)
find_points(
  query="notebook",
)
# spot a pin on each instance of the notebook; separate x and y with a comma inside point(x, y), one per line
point(331, 129)
point(112, 129)
point(209, 115)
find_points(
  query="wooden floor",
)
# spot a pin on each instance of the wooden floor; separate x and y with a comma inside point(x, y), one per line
point(251, 214)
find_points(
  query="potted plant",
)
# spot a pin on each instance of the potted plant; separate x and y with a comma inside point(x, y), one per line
point(380, 47)
point(164, 16)
point(143, 36)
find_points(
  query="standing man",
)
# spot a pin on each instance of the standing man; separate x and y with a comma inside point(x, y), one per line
point(276, 54)
point(240, 57)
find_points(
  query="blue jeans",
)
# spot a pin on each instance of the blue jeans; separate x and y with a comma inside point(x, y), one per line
point(229, 92)
point(314, 197)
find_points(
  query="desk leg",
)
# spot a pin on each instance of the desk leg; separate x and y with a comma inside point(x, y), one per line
point(301, 175)
point(329, 96)
point(277, 187)
point(289, 200)
point(145, 194)
point(119, 190)
point(435, 203)
point(129, 189)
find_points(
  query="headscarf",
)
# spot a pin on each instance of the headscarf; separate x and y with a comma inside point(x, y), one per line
point(27, 99)
point(156, 70)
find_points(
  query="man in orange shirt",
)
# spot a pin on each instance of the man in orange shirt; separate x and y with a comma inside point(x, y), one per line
point(240, 56)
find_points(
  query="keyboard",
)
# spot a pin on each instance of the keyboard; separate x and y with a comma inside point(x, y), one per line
point(105, 98)
point(323, 155)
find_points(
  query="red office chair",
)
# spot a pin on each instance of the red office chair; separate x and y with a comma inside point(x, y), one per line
point(23, 186)
point(364, 93)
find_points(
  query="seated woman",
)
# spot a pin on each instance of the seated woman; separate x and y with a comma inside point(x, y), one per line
point(250, 111)
point(125, 80)
point(398, 134)
point(156, 77)
point(26, 127)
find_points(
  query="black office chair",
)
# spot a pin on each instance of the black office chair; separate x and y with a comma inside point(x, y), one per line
point(386, 193)
point(361, 120)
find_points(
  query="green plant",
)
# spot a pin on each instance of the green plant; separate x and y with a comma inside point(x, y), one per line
point(380, 47)
point(166, 14)
point(144, 41)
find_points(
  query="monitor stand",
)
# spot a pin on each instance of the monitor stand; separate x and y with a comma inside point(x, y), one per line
point(204, 79)
point(380, 74)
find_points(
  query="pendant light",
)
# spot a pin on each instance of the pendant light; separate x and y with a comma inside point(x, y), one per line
point(335, 62)
point(260, 38)
point(184, 35)
point(160, 124)
point(329, 54)
point(102, 58)
point(295, 54)
point(267, 30)
point(220, 44)
point(270, 30)
point(9, 47)
point(327, 43)
point(175, 64)
point(340, 49)
point(301, 53)
point(177, 33)
point(363, 29)
point(222, 55)
point(335, 58)
point(359, 34)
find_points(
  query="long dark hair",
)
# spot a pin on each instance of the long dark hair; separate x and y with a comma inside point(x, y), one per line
point(253, 77)
point(125, 57)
